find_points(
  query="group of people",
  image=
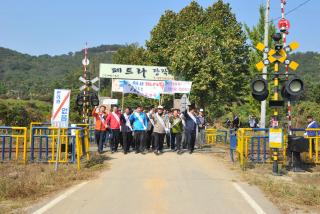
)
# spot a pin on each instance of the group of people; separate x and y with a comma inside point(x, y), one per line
point(144, 130)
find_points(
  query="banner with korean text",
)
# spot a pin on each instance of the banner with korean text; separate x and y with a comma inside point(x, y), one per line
point(141, 72)
point(177, 87)
point(169, 86)
point(149, 89)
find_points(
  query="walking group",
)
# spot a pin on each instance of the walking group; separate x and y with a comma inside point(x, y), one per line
point(147, 130)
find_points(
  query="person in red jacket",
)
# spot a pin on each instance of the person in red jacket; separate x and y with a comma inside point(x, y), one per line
point(114, 122)
point(100, 116)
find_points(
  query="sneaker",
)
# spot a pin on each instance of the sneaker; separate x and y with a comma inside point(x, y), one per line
point(190, 152)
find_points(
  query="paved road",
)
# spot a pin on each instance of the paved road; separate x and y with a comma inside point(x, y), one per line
point(169, 183)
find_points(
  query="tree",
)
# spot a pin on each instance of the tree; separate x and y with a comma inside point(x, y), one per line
point(206, 46)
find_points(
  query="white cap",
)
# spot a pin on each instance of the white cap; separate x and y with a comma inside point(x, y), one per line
point(201, 110)
point(161, 107)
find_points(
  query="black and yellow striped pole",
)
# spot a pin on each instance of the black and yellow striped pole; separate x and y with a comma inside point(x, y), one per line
point(275, 56)
point(275, 122)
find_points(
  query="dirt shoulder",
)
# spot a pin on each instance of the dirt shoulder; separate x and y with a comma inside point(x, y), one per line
point(291, 192)
point(25, 184)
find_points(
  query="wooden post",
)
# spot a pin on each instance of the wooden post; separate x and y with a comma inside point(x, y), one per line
point(122, 102)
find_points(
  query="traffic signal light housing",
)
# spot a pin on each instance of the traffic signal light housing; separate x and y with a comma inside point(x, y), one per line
point(293, 88)
point(94, 100)
point(259, 89)
point(91, 97)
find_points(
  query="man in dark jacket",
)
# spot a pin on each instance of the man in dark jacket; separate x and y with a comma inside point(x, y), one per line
point(191, 127)
point(126, 129)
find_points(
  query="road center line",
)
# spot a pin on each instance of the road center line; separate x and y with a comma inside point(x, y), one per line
point(248, 198)
point(59, 198)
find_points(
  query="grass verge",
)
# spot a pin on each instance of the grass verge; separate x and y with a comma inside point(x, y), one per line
point(22, 184)
point(291, 192)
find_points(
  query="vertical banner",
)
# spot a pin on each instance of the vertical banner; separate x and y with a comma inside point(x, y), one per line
point(61, 107)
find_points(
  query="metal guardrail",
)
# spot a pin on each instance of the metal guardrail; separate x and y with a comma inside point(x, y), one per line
point(44, 140)
point(313, 136)
point(253, 145)
point(214, 136)
point(13, 139)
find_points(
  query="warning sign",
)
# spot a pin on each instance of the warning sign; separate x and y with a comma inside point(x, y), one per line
point(275, 138)
point(61, 106)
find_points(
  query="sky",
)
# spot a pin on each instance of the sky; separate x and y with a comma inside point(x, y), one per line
point(57, 27)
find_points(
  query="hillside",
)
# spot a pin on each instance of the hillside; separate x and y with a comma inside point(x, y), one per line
point(27, 76)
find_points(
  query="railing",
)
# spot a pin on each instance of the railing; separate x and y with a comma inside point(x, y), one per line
point(313, 136)
point(13, 139)
point(44, 141)
point(253, 145)
point(214, 136)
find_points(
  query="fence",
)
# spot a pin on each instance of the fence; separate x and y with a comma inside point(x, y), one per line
point(13, 139)
point(313, 136)
point(73, 141)
point(214, 136)
point(253, 145)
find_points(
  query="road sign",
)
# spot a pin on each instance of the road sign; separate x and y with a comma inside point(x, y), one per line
point(94, 80)
point(61, 107)
point(275, 138)
point(85, 62)
point(279, 56)
point(108, 101)
point(88, 83)
point(82, 79)
point(284, 24)
point(184, 102)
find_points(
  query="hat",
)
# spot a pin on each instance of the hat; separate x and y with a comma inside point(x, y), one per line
point(160, 107)
point(201, 110)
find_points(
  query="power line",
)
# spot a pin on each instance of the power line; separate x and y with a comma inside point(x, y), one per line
point(292, 10)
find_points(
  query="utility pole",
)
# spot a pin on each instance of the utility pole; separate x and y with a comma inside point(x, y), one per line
point(265, 70)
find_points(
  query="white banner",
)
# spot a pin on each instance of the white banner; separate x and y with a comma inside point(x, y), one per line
point(170, 86)
point(177, 87)
point(142, 72)
point(117, 85)
point(61, 107)
point(108, 101)
point(149, 89)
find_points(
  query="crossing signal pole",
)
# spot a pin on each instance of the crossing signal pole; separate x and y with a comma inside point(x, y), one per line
point(265, 69)
point(87, 98)
point(293, 86)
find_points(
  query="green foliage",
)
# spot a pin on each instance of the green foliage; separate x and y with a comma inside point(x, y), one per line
point(206, 46)
point(21, 113)
point(30, 77)
point(302, 110)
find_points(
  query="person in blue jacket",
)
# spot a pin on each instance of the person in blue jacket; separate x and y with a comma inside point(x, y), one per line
point(191, 128)
point(312, 124)
point(139, 123)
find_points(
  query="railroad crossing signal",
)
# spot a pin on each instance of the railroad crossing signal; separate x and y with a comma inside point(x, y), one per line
point(277, 55)
point(89, 83)
point(293, 87)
